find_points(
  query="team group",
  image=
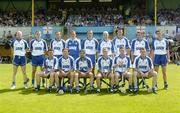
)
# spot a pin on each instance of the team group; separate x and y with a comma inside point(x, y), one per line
point(106, 59)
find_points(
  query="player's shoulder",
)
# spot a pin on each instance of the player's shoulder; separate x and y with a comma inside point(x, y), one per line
point(100, 58)
point(55, 57)
point(43, 40)
point(137, 58)
point(110, 58)
point(134, 40)
point(78, 59)
point(67, 40)
point(149, 58)
point(70, 57)
point(33, 40)
point(88, 58)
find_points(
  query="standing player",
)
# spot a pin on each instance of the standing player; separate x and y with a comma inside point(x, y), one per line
point(106, 43)
point(74, 45)
point(121, 41)
point(83, 68)
point(137, 44)
point(143, 67)
point(50, 66)
point(38, 47)
point(57, 45)
point(66, 69)
point(122, 69)
point(105, 70)
point(19, 46)
point(90, 45)
point(160, 54)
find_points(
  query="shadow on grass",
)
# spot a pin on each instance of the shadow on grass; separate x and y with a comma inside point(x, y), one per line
point(33, 91)
point(10, 90)
point(104, 91)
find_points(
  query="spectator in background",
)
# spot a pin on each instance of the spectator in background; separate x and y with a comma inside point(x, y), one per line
point(149, 38)
point(47, 38)
point(4, 35)
point(9, 35)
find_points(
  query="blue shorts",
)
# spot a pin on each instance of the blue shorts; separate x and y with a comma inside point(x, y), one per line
point(75, 56)
point(58, 56)
point(93, 59)
point(160, 60)
point(19, 60)
point(37, 60)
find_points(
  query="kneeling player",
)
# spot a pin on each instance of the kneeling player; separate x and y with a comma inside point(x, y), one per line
point(83, 67)
point(105, 69)
point(121, 69)
point(50, 65)
point(66, 69)
point(143, 68)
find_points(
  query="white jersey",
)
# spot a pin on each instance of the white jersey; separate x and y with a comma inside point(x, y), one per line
point(38, 47)
point(57, 46)
point(90, 46)
point(50, 64)
point(66, 64)
point(19, 47)
point(124, 42)
point(137, 45)
point(125, 63)
point(106, 44)
point(104, 65)
point(160, 47)
point(143, 64)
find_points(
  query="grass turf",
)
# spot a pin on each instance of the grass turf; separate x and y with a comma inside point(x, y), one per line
point(29, 101)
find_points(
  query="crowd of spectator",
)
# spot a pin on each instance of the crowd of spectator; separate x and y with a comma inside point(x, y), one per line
point(99, 16)
point(169, 16)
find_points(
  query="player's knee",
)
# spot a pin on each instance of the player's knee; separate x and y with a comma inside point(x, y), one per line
point(135, 74)
point(98, 76)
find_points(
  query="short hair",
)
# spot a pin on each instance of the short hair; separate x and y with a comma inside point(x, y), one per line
point(105, 49)
point(121, 47)
point(57, 32)
point(142, 48)
point(65, 49)
point(50, 49)
point(105, 32)
point(157, 31)
point(19, 32)
point(82, 50)
point(90, 31)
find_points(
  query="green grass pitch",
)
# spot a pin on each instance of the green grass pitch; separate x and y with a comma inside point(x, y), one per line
point(29, 101)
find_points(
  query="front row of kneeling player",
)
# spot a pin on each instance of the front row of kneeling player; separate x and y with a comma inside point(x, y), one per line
point(107, 68)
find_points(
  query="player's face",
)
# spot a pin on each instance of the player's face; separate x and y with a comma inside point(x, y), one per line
point(82, 54)
point(159, 35)
point(122, 50)
point(106, 36)
point(138, 34)
point(38, 35)
point(140, 37)
point(143, 52)
point(58, 35)
point(73, 34)
point(50, 53)
point(90, 35)
point(105, 53)
point(65, 52)
point(18, 35)
point(120, 33)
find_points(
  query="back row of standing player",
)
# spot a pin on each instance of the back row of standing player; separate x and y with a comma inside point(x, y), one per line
point(93, 49)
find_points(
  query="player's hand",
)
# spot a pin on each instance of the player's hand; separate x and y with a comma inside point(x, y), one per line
point(146, 74)
point(83, 74)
